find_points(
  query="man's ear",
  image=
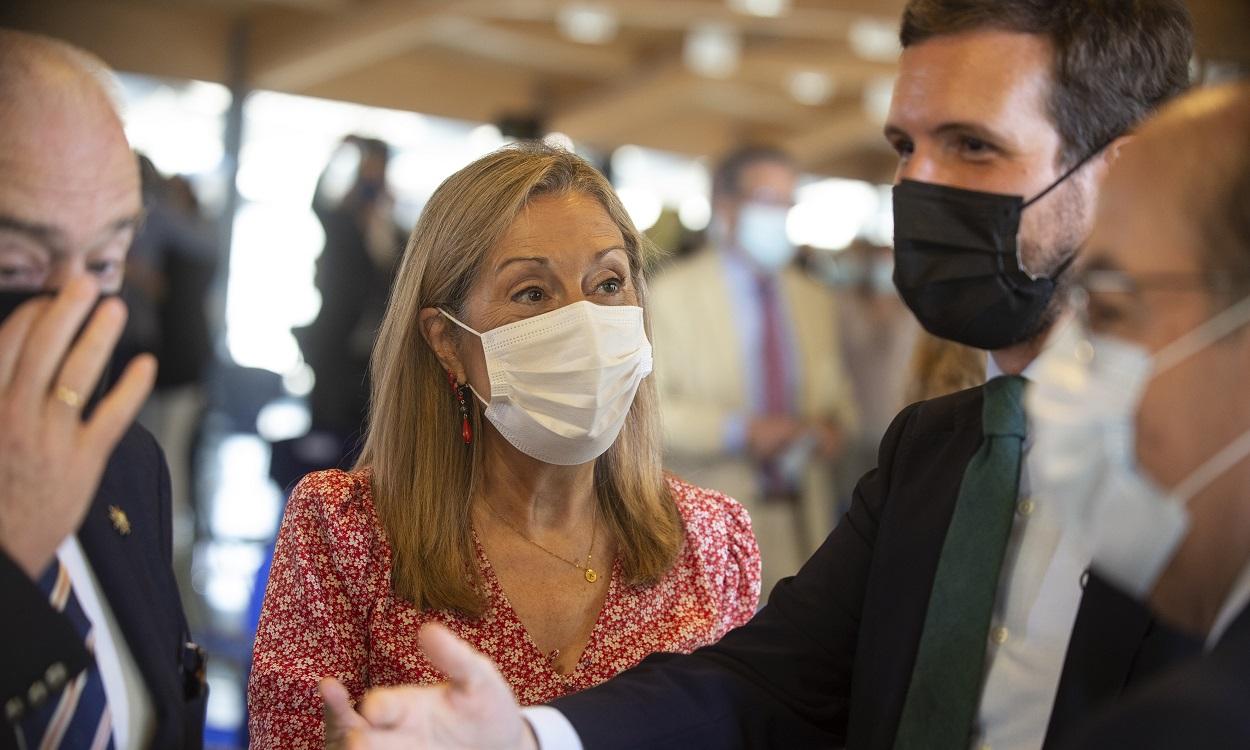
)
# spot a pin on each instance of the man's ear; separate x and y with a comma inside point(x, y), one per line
point(1112, 152)
point(440, 334)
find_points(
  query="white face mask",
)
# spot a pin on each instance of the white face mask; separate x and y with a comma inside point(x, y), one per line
point(1082, 408)
point(762, 235)
point(562, 383)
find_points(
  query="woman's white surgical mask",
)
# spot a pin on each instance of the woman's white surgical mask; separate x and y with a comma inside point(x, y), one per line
point(1082, 407)
point(562, 383)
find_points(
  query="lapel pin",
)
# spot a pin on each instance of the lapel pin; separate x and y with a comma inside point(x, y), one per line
point(119, 519)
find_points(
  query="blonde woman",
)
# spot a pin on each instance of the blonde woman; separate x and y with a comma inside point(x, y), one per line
point(510, 485)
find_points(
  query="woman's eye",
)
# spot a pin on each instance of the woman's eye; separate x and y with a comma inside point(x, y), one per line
point(531, 295)
point(612, 286)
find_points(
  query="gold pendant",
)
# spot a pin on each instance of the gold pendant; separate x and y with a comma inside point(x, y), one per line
point(591, 575)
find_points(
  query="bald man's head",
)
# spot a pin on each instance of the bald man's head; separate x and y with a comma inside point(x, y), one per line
point(1198, 152)
point(69, 184)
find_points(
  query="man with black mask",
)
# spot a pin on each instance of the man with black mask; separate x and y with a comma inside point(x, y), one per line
point(96, 651)
point(947, 610)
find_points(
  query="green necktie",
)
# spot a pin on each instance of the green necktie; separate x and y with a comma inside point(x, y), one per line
point(946, 681)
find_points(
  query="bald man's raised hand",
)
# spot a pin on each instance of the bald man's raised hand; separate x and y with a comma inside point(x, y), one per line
point(51, 459)
point(473, 710)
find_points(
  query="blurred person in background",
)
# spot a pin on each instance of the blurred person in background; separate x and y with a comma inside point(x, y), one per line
point(756, 402)
point(939, 367)
point(354, 274)
point(169, 272)
point(96, 649)
point(878, 335)
point(510, 485)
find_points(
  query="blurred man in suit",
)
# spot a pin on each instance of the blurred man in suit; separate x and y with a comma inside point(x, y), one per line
point(755, 399)
point(96, 649)
point(1161, 363)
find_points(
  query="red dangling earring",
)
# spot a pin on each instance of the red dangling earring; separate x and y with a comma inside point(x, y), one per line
point(466, 429)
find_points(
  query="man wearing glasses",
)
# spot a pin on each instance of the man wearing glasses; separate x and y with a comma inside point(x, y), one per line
point(1140, 417)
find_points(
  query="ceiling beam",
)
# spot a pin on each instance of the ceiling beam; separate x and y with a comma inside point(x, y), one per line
point(547, 54)
point(177, 40)
point(844, 131)
point(804, 22)
point(294, 55)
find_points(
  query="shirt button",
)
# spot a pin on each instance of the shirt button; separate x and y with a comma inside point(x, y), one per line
point(14, 709)
point(1026, 507)
point(999, 635)
point(37, 694)
point(55, 676)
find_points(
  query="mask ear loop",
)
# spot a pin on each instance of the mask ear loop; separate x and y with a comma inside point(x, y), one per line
point(1075, 168)
point(1215, 329)
point(452, 318)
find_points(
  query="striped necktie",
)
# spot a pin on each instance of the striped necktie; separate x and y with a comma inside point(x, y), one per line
point(948, 675)
point(78, 716)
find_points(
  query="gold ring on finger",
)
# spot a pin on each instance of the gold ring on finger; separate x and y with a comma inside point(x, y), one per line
point(67, 396)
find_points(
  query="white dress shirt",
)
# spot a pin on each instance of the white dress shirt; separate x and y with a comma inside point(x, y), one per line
point(130, 708)
point(1039, 593)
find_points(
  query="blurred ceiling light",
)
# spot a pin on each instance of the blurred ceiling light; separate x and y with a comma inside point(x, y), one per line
point(588, 23)
point(831, 213)
point(712, 50)
point(695, 213)
point(767, 8)
point(877, 96)
point(874, 39)
point(811, 87)
point(643, 207)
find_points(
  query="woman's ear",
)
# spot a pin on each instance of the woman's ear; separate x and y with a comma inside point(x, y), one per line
point(440, 334)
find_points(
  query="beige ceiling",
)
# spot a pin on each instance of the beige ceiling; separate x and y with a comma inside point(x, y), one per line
point(484, 59)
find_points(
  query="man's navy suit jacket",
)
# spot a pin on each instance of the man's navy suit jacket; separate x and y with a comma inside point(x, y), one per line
point(135, 573)
point(1204, 703)
point(828, 661)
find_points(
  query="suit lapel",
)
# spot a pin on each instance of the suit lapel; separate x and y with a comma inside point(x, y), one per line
point(1115, 642)
point(125, 573)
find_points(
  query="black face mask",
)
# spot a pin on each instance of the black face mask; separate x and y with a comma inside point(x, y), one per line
point(957, 264)
point(11, 300)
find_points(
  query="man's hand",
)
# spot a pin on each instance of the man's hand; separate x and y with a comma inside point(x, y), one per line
point(473, 710)
point(768, 436)
point(830, 439)
point(340, 717)
point(50, 459)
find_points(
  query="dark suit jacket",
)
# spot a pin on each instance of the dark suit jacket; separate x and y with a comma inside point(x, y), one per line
point(135, 575)
point(1204, 703)
point(829, 660)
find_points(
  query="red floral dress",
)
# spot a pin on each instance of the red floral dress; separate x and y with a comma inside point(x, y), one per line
point(329, 610)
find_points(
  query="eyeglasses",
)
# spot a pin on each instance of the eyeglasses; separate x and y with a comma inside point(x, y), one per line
point(1100, 297)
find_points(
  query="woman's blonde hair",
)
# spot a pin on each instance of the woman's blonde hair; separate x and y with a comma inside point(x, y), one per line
point(424, 476)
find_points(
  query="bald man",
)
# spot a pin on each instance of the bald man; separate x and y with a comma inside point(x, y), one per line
point(95, 648)
point(1167, 289)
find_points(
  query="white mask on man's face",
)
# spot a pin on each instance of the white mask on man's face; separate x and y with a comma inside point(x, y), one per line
point(562, 383)
point(1082, 407)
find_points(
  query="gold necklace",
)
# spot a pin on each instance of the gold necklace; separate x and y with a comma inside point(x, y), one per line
point(588, 572)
